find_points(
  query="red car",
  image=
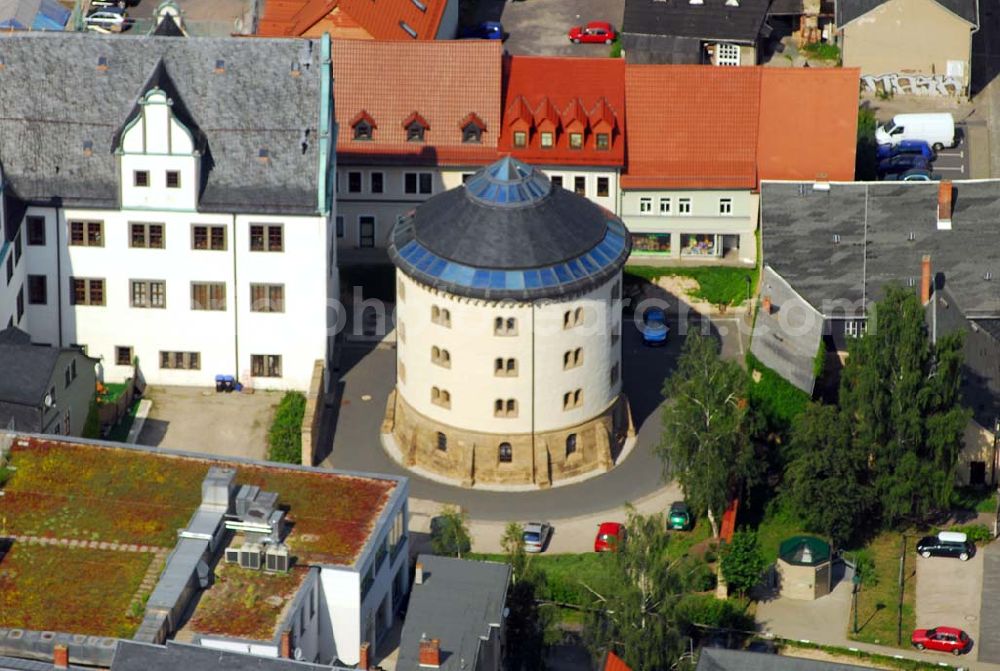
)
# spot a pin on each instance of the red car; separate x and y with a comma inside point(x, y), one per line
point(610, 535)
point(945, 639)
point(594, 32)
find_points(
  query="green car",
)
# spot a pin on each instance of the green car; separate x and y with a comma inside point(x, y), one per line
point(679, 518)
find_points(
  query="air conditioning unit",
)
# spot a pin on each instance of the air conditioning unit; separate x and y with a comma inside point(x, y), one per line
point(276, 559)
point(232, 555)
point(250, 556)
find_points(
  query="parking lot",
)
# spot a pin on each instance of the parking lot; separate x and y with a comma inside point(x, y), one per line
point(540, 27)
point(954, 163)
point(949, 592)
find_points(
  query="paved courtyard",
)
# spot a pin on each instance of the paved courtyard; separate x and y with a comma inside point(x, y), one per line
point(540, 27)
point(948, 593)
point(198, 419)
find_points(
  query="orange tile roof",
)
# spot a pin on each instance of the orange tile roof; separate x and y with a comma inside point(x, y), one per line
point(691, 126)
point(615, 663)
point(443, 82)
point(353, 18)
point(808, 124)
point(560, 92)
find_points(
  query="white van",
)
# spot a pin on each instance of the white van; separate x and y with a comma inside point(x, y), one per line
point(937, 130)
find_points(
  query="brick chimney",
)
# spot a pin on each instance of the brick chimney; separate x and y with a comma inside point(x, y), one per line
point(418, 574)
point(925, 279)
point(286, 645)
point(430, 652)
point(60, 657)
point(364, 661)
point(945, 191)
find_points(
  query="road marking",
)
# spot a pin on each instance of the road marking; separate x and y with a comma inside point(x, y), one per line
point(960, 168)
point(960, 154)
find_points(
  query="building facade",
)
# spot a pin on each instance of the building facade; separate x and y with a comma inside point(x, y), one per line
point(208, 243)
point(508, 332)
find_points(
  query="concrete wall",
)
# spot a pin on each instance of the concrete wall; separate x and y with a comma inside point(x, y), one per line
point(907, 37)
point(805, 583)
point(978, 446)
point(313, 417)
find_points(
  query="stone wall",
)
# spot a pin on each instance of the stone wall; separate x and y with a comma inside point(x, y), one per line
point(313, 417)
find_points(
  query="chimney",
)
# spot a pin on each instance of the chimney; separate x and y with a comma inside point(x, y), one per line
point(286, 645)
point(430, 652)
point(944, 205)
point(766, 304)
point(60, 657)
point(418, 574)
point(363, 661)
point(925, 279)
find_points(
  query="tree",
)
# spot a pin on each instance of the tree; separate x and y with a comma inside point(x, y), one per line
point(742, 562)
point(706, 428)
point(526, 623)
point(450, 533)
point(284, 439)
point(512, 543)
point(827, 480)
point(634, 618)
point(900, 393)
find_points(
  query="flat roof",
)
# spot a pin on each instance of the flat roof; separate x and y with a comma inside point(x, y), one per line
point(74, 507)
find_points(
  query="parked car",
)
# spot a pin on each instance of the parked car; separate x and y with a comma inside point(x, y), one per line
point(610, 536)
point(95, 4)
point(946, 544)
point(936, 129)
point(536, 535)
point(594, 32)
point(901, 163)
point(654, 327)
point(914, 175)
point(679, 517)
point(487, 30)
point(945, 639)
point(109, 18)
point(766, 647)
point(905, 147)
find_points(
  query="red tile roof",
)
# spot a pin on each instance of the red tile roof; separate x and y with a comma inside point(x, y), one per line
point(614, 663)
point(808, 124)
point(442, 82)
point(352, 18)
point(560, 94)
point(691, 126)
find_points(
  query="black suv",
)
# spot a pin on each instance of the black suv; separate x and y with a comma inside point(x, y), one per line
point(946, 544)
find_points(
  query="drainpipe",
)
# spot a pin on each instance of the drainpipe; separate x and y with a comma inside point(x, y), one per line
point(59, 287)
point(236, 310)
point(534, 377)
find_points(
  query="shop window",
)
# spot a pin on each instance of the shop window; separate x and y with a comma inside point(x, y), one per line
point(699, 244)
point(505, 453)
point(651, 243)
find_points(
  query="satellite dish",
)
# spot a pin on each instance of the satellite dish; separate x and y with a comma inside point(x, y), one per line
point(48, 401)
point(298, 654)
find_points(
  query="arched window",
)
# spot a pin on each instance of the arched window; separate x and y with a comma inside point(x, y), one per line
point(570, 444)
point(505, 453)
point(442, 442)
point(498, 407)
point(511, 407)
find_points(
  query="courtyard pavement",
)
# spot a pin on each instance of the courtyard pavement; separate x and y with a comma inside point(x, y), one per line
point(540, 27)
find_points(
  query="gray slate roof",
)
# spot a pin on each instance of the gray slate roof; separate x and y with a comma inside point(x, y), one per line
point(712, 20)
point(991, 326)
point(18, 664)
point(874, 222)
point(715, 659)
point(133, 656)
point(456, 604)
point(26, 368)
point(848, 10)
point(53, 98)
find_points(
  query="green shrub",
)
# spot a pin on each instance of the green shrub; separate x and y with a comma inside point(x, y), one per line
point(774, 398)
point(697, 576)
point(864, 564)
point(977, 533)
point(284, 439)
point(824, 51)
point(5, 474)
point(92, 425)
point(707, 611)
point(819, 363)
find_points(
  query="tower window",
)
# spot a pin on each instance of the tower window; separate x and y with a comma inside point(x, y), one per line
point(505, 453)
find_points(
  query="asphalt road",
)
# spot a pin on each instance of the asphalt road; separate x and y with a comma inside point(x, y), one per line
point(370, 373)
point(540, 27)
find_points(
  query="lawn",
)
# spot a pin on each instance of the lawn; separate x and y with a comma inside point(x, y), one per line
point(681, 542)
point(246, 603)
point(115, 390)
point(35, 580)
point(566, 575)
point(778, 525)
point(778, 400)
point(878, 599)
point(719, 285)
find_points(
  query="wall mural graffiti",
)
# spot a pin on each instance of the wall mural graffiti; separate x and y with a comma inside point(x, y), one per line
point(921, 85)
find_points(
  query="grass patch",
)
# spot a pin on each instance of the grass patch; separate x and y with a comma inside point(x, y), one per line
point(284, 439)
point(878, 599)
point(566, 575)
point(246, 603)
point(778, 525)
point(33, 589)
point(980, 499)
point(720, 285)
point(616, 48)
point(114, 391)
point(681, 542)
point(824, 51)
point(774, 397)
point(846, 656)
point(119, 432)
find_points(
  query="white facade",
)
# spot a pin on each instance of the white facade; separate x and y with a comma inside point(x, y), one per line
point(552, 357)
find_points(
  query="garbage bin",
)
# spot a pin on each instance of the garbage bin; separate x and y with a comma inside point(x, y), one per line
point(229, 382)
point(220, 383)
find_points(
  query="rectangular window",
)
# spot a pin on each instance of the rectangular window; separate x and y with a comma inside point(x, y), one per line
point(173, 179)
point(20, 303)
point(265, 365)
point(417, 182)
point(466, 176)
point(208, 296)
point(366, 231)
point(603, 142)
point(354, 182)
point(149, 294)
point(377, 182)
point(665, 204)
point(556, 180)
point(576, 140)
point(645, 205)
point(520, 138)
point(86, 291)
point(10, 269)
point(546, 141)
point(725, 206)
point(123, 355)
point(602, 187)
point(208, 237)
point(86, 233)
point(425, 182)
point(146, 235)
point(18, 248)
point(340, 225)
point(36, 231)
point(266, 238)
point(180, 360)
point(38, 290)
point(267, 298)
point(727, 54)
point(140, 178)
point(684, 206)
point(580, 185)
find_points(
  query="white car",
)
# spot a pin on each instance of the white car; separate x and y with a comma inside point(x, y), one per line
point(109, 19)
point(536, 535)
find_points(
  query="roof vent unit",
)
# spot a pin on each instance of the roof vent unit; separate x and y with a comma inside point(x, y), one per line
point(218, 487)
point(911, 236)
point(220, 66)
point(102, 63)
point(732, 3)
point(821, 186)
point(836, 238)
point(696, 2)
point(245, 497)
point(276, 559)
point(232, 555)
point(250, 556)
point(988, 276)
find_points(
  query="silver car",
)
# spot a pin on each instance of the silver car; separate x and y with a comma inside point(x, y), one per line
point(536, 535)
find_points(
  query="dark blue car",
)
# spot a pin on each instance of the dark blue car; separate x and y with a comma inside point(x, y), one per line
point(901, 163)
point(905, 147)
point(487, 30)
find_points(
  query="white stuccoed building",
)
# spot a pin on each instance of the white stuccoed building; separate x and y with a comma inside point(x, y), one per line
point(170, 200)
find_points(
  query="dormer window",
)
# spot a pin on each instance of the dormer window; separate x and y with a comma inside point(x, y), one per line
point(547, 140)
point(576, 140)
point(415, 126)
point(520, 138)
point(362, 131)
point(603, 142)
point(472, 134)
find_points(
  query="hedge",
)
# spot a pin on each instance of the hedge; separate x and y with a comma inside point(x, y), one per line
point(284, 439)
